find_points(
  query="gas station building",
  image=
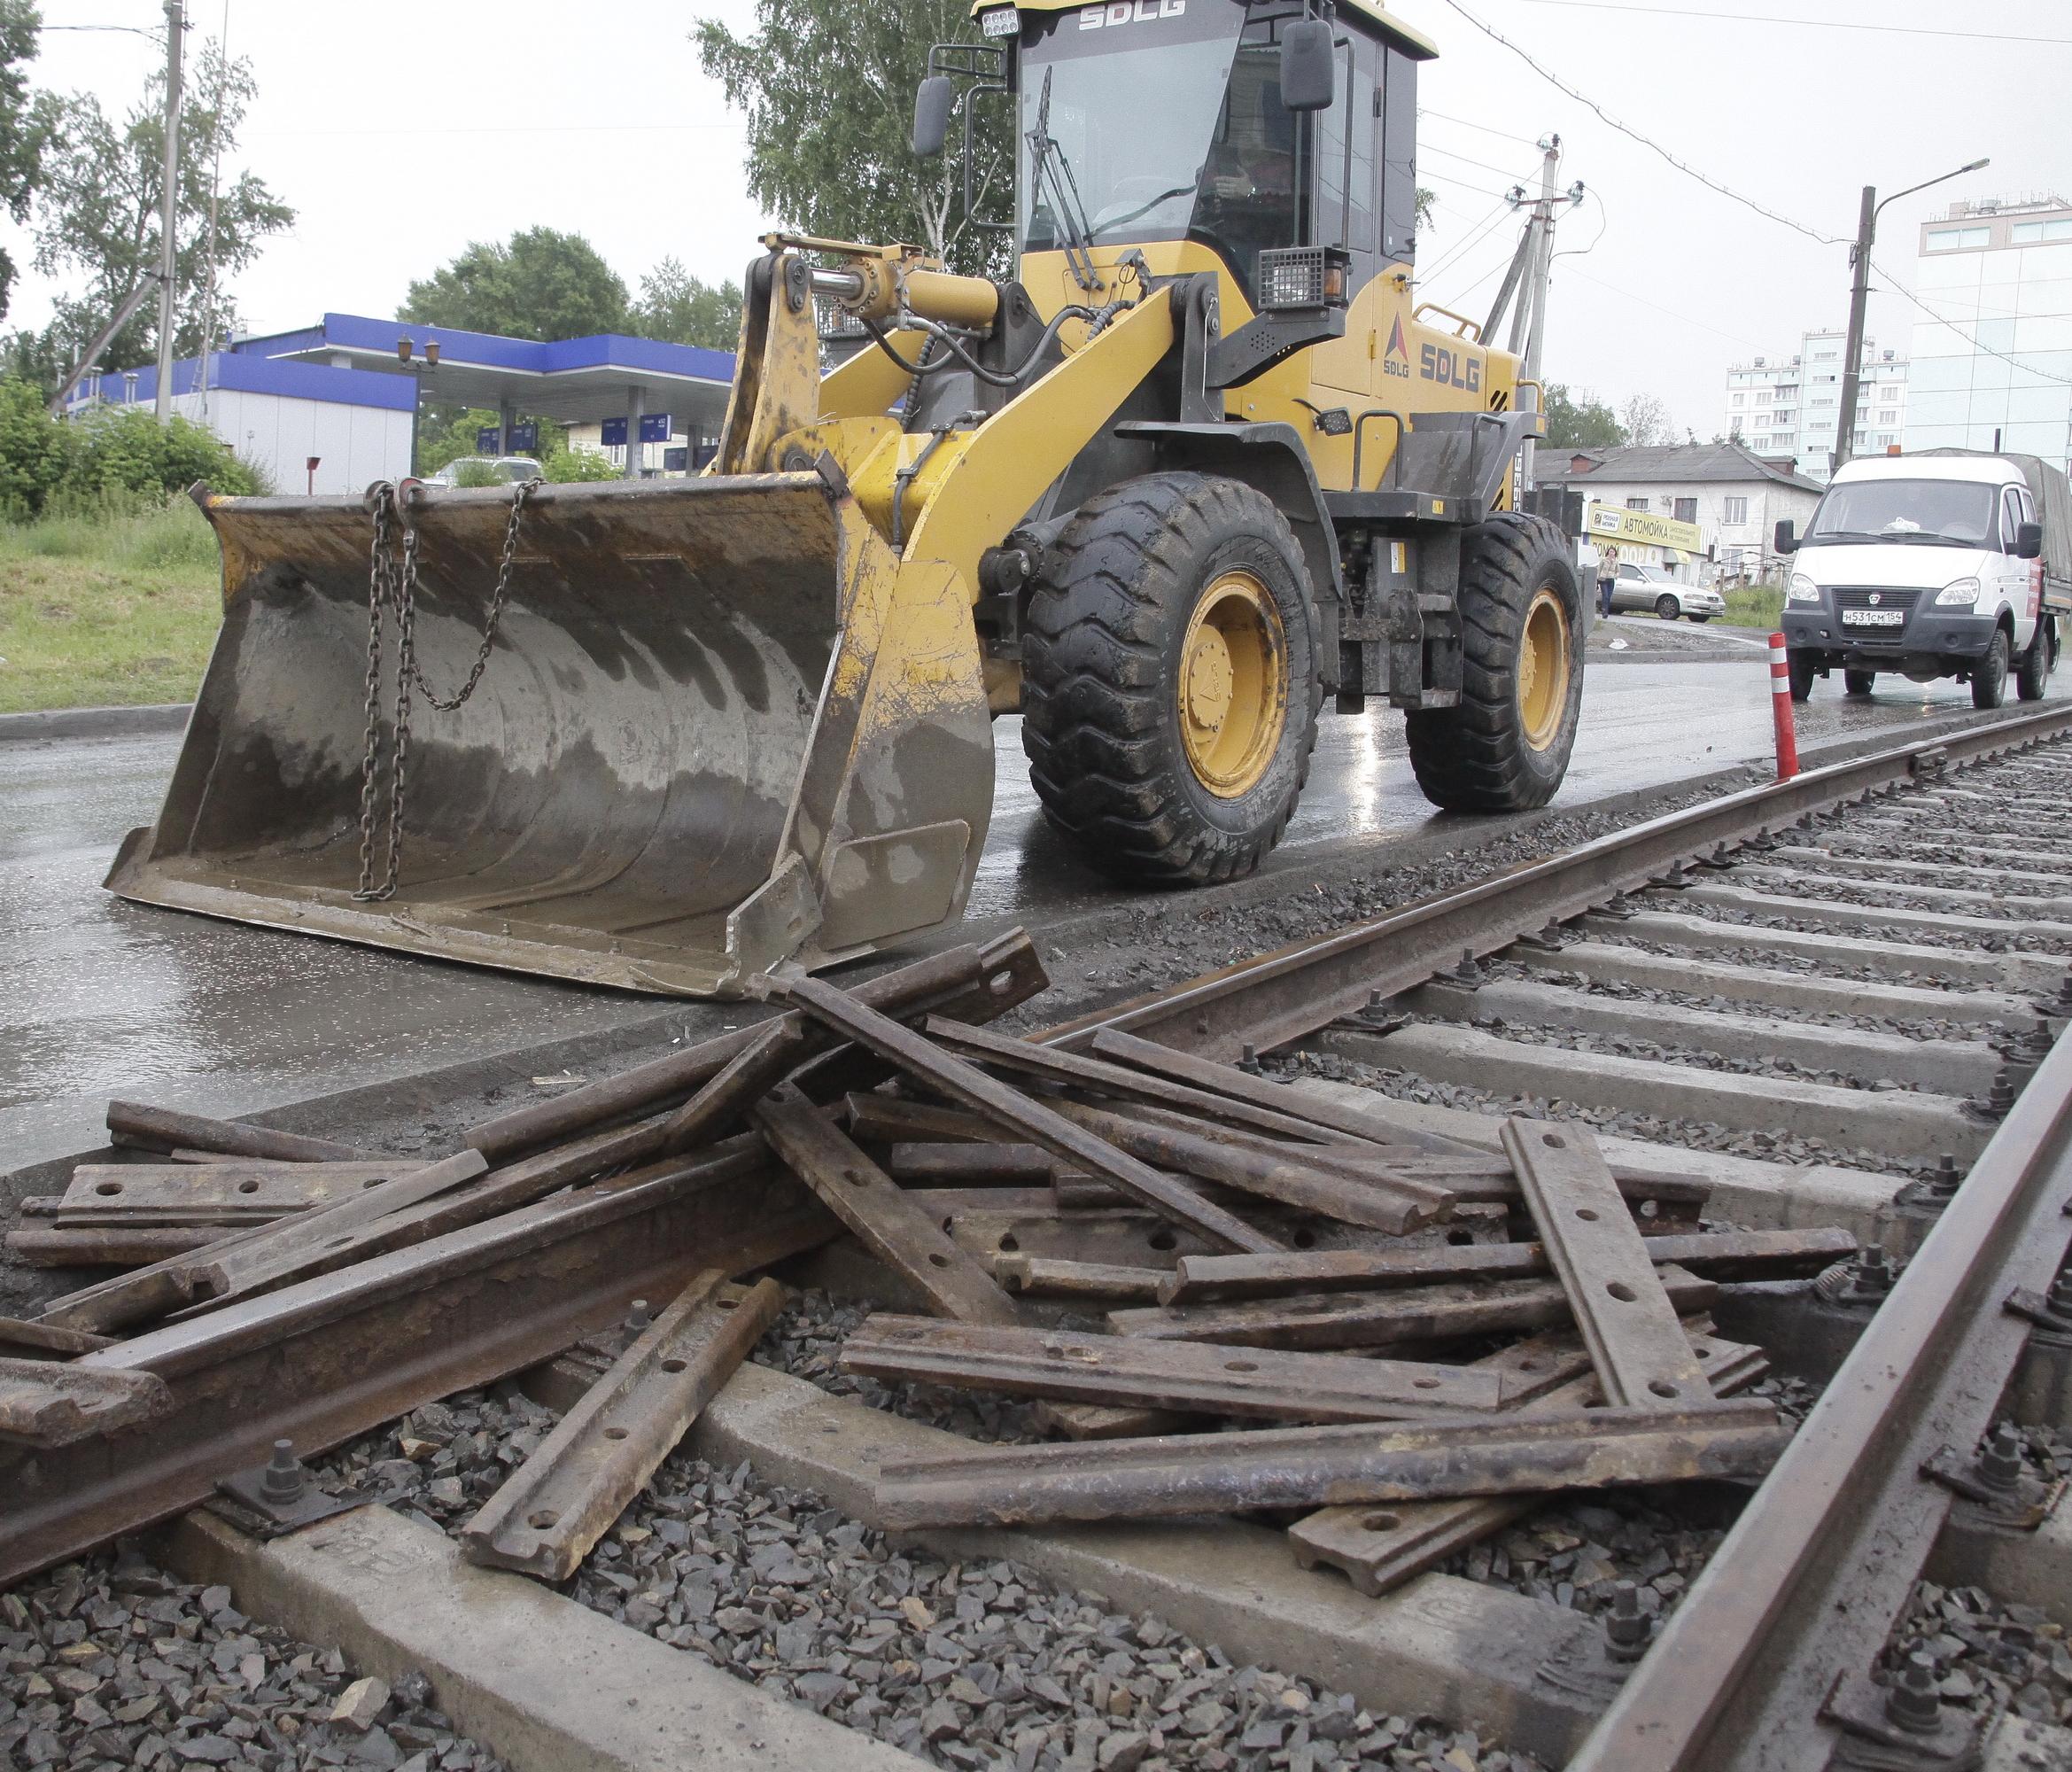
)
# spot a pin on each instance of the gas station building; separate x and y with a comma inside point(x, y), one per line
point(344, 394)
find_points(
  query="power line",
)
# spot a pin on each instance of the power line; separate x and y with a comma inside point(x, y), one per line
point(1683, 167)
point(1971, 338)
point(1447, 178)
point(1814, 24)
point(1525, 141)
point(1688, 320)
point(1486, 166)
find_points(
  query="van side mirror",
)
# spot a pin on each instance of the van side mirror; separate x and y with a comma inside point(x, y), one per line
point(2029, 541)
point(933, 102)
point(1308, 68)
point(1787, 536)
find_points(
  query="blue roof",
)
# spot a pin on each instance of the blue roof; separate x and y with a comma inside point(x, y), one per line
point(269, 375)
point(564, 379)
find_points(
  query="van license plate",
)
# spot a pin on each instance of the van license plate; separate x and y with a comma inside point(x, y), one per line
point(1874, 617)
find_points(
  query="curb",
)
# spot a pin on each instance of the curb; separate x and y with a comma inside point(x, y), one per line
point(56, 723)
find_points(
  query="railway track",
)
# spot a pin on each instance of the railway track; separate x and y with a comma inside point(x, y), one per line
point(1836, 999)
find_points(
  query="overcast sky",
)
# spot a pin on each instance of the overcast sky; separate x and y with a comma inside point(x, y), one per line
point(401, 132)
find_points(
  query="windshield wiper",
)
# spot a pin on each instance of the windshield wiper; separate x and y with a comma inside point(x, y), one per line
point(1050, 168)
point(1145, 208)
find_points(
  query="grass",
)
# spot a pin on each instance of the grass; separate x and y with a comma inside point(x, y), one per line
point(105, 602)
point(1755, 606)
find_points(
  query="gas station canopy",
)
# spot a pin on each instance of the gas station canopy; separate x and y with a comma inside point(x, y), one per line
point(572, 381)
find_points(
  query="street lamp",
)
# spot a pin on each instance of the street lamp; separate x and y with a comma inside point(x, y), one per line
point(1859, 259)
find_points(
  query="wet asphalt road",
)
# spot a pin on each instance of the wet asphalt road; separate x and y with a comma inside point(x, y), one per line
point(103, 998)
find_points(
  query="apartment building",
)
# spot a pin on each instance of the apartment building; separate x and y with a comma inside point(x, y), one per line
point(1787, 409)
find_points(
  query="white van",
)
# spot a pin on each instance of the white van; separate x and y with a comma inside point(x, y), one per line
point(1943, 564)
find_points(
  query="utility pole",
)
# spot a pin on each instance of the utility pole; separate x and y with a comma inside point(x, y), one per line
point(169, 211)
point(1543, 263)
point(1859, 289)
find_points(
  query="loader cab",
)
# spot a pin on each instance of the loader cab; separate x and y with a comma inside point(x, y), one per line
point(1144, 121)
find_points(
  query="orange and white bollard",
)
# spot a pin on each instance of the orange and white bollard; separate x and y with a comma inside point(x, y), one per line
point(1781, 709)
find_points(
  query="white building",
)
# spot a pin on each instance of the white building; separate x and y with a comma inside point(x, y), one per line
point(1733, 497)
point(1788, 408)
point(1999, 374)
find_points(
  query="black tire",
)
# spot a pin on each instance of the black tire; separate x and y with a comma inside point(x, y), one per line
point(2034, 676)
point(1859, 682)
point(1667, 607)
point(1989, 676)
point(1802, 668)
point(1478, 756)
point(1101, 673)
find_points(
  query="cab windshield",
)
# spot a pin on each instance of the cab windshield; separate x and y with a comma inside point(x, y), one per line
point(1164, 128)
point(1931, 513)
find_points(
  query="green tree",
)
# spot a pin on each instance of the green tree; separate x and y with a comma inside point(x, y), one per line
point(676, 307)
point(22, 139)
point(98, 212)
point(828, 88)
point(541, 284)
point(37, 452)
point(1580, 422)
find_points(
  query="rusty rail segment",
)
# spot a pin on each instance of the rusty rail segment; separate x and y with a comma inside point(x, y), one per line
point(1808, 1585)
point(1292, 992)
point(330, 1357)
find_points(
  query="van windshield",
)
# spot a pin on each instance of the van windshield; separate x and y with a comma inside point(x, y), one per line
point(1936, 513)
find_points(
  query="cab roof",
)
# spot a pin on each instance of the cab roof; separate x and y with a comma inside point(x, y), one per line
point(1988, 469)
point(1411, 41)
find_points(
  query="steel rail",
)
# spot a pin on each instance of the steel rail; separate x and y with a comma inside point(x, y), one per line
point(1295, 989)
point(1808, 1586)
point(331, 1357)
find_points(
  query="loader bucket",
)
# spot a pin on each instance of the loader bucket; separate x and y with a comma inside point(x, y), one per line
point(720, 726)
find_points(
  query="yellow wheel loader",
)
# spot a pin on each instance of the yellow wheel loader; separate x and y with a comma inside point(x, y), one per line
point(1203, 462)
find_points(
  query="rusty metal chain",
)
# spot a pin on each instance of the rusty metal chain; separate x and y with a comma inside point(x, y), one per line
point(394, 584)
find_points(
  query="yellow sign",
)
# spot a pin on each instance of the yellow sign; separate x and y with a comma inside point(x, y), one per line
point(1617, 523)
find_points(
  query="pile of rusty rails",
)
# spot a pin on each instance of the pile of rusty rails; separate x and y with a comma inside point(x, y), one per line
point(1391, 1340)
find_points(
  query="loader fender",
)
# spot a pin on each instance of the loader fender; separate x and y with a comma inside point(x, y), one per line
point(1268, 456)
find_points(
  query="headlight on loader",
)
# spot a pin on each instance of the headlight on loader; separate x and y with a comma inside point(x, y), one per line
point(1963, 594)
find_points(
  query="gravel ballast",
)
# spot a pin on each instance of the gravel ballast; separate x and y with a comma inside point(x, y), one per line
point(111, 1662)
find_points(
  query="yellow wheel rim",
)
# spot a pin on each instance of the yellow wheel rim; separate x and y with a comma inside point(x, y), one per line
point(1543, 669)
point(1233, 686)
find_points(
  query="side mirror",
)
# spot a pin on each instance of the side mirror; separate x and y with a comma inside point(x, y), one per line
point(1787, 536)
point(2029, 541)
point(933, 102)
point(1308, 68)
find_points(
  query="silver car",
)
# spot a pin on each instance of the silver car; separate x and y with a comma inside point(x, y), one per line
point(1649, 588)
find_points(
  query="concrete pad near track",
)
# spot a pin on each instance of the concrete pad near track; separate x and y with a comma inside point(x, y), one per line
point(1767, 987)
point(1946, 1067)
point(1746, 1191)
point(1838, 915)
point(547, 1683)
point(1896, 1123)
point(2024, 972)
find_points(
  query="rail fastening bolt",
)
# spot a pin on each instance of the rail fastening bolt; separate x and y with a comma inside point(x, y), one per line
point(1627, 1629)
point(1999, 1459)
point(1870, 1274)
point(1914, 1700)
point(2061, 1292)
point(636, 1324)
point(283, 1479)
